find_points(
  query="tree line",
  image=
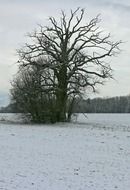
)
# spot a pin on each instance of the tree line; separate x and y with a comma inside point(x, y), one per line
point(119, 104)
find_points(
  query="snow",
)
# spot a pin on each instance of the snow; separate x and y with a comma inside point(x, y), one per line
point(90, 154)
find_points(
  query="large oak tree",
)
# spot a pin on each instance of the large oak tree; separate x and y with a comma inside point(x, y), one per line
point(75, 55)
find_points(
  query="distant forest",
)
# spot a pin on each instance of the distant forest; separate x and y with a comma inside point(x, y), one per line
point(120, 104)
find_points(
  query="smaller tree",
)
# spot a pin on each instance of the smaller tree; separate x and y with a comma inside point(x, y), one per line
point(30, 96)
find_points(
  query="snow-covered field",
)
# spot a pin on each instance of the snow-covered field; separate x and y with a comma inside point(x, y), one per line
point(90, 154)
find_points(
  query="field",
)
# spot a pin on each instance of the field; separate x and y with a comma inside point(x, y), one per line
point(92, 153)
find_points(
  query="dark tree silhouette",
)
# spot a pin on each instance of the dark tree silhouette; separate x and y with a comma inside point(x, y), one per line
point(75, 57)
point(30, 95)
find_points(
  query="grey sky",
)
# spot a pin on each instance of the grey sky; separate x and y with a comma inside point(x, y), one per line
point(19, 17)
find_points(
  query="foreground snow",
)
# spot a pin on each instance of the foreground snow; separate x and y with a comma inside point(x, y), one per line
point(80, 156)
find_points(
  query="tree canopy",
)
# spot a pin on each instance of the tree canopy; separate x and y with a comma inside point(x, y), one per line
point(72, 57)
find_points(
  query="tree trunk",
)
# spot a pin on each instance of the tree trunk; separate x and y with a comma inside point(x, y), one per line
point(70, 109)
point(61, 106)
point(61, 95)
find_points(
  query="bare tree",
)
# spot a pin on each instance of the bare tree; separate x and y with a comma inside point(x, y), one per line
point(75, 57)
point(30, 96)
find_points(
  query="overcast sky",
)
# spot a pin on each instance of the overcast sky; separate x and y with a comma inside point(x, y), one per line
point(17, 17)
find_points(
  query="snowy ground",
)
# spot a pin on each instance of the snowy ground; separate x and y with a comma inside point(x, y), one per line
point(92, 154)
